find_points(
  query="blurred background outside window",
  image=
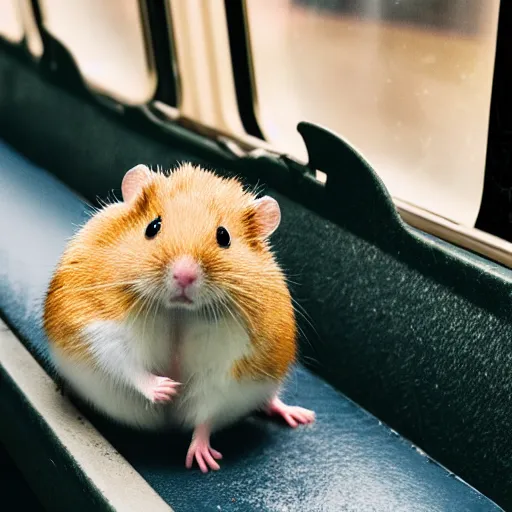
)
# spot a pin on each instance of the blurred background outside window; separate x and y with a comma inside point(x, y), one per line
point(407, 82)
point(11, 27)
point(106, 40)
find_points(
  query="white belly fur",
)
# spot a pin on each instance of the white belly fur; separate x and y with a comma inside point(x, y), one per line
point(207, 352)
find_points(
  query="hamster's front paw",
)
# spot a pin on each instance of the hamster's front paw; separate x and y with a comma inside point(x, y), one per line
point(161, 389)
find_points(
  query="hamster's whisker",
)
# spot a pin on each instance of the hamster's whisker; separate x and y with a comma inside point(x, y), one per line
point(206, 312)
point(225, 308)
point(145, 298)
point(154, 297)
point(142, 303)
point(136, 302)
point(226, 301)
point(215, 314)
point(234, 287)
point(289, 281)
point(302, 312)
point(147, 310)
point(240, 299)
point(158, 300)
point(305, 338)
point(211, 310)
point(215, 303)
point(152, 304)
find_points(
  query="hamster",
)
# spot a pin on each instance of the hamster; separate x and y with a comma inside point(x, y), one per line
point(169, 309)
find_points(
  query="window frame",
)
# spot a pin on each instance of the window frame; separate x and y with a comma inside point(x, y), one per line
point(495, 214)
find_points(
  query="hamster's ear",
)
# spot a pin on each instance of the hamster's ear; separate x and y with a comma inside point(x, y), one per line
point(268, 215)
point(133, 181)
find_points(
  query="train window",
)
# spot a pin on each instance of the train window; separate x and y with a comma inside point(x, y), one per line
point(207, 91)
point(408, 83)
point(112, 49)
point(11, 25)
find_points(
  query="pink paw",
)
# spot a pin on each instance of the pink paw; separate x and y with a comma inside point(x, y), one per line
point(201, 451)
point(293, 415)
point(162, 389)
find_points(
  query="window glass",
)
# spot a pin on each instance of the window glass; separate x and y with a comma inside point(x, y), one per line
point(108, 42)
point(408, 83)
point(11, 27)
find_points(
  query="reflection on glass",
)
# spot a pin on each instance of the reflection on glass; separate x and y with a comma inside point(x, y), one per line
point(407, 83)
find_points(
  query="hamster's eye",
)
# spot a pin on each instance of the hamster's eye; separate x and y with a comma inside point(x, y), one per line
point(153, 227)
point(223, 238)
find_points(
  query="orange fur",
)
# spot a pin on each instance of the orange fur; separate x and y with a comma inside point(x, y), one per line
point(110, 259)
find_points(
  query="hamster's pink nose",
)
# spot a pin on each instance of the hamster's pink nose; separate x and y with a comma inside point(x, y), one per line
point(185, 272)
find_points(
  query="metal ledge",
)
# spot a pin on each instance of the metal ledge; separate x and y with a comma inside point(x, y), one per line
point(102, 470)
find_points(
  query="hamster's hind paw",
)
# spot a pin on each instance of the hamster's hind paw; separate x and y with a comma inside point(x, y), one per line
point(201, 451)
point(162, 389)
point(293, 415)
